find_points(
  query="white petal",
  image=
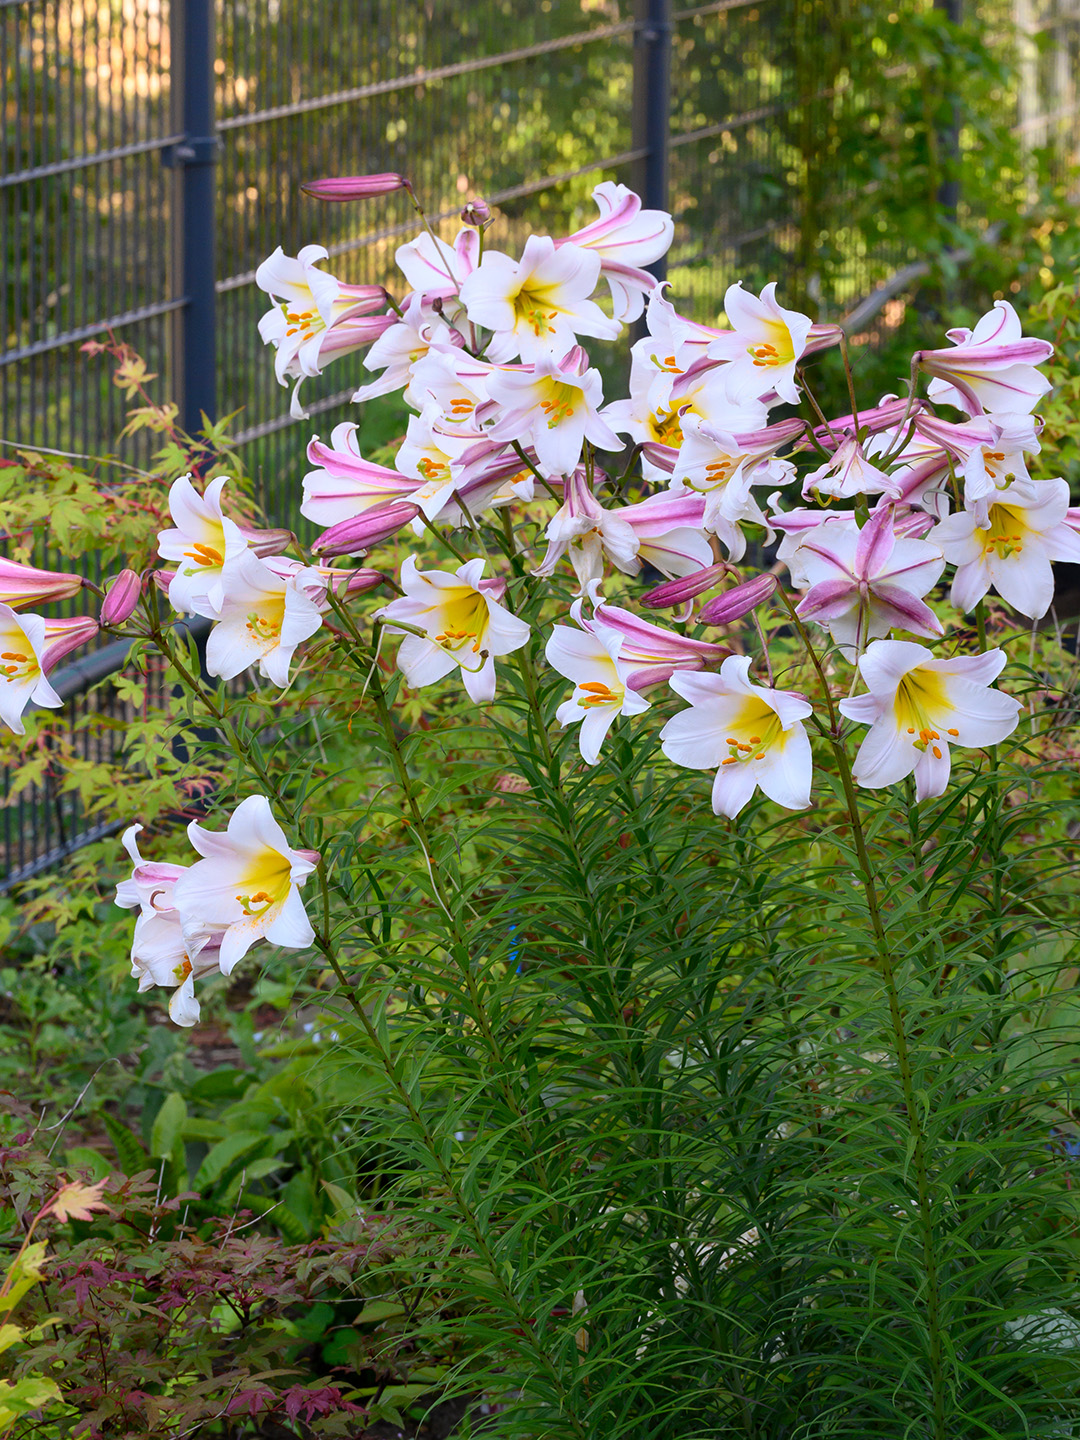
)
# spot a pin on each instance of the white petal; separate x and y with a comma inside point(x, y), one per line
point(291, 927)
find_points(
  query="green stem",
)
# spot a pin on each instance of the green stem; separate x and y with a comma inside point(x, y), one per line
point(324, 942)
point(888, 969)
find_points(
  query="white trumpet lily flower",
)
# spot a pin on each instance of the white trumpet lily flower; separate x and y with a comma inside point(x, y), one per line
point(247, 886)
point(463, 626)
point(1025, 530)
point(263, 618)
point(204, 541)
point(752, 734)
point(917, 707)
point(539, 303)
point(23, 644)
point(160, 952)
point(602, 691)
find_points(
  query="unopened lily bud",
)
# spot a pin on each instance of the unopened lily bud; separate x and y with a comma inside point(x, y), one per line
point(673, 593)
point(649, 676)
point(163, 579)
point(476, 213)
point(821, 337)
point(23, 585)
point(355, 187)
point(267, 542)
point(121, 598)
point(361, 580)
point(361, 532)
point(738, 601)
point(64, 636)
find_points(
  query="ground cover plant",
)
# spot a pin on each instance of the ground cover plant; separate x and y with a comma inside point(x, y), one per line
point(661, 814)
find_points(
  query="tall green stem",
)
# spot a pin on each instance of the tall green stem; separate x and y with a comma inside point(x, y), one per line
point(888, 969)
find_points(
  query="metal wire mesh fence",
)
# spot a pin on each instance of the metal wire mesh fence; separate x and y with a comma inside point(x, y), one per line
point(153, 150)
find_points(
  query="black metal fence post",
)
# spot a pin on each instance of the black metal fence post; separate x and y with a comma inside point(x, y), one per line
point(949, 191)
point(652, 105)
point(193, 347)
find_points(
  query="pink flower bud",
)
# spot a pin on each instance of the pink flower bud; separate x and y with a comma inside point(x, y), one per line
point(361, 580)
point(121, 598)
point(64, 636)
point(476, 213)
point(821, 337)
point(673, 593)
point(267, 542)
point(23, 585)
point(355, 187)
point(163, 579)
point(354, 536)
point(649, 676)
point(738, 601)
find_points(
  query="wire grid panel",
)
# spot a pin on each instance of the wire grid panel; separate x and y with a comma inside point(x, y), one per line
point(434, 92)
point(83, 210)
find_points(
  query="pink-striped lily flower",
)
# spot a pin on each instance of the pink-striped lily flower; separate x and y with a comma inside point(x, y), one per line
point(490, 462)
point(674, 341)
point(405, 341)
point(586, 532)
point(752, 734)
point(864, 583)
point(721, 464)
point(552, 406)
point(64, 636)
point(649, 653)
point(262, 619)
point(794, 524)
point(454, 483)
point(1026, 529)
point(160, 954)
point(602, 690)
point(540, 303)
point(204, 541)
point(22, 667)
point(990, 368)
point(452, 383)
point(661, 400)
point(436, 269)
point(344, 484)
point(247, 886)
point(316, 318)
point(626, 237)
point(668, 528)
point(917, 707)
point(847, 474)
point(25, 585)
point(766, 342)
point(990, 452)
point(463, 626)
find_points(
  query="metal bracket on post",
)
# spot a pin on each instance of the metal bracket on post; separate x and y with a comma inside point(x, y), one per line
point(652, 106)
point(193, 358)
point(203, 150)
